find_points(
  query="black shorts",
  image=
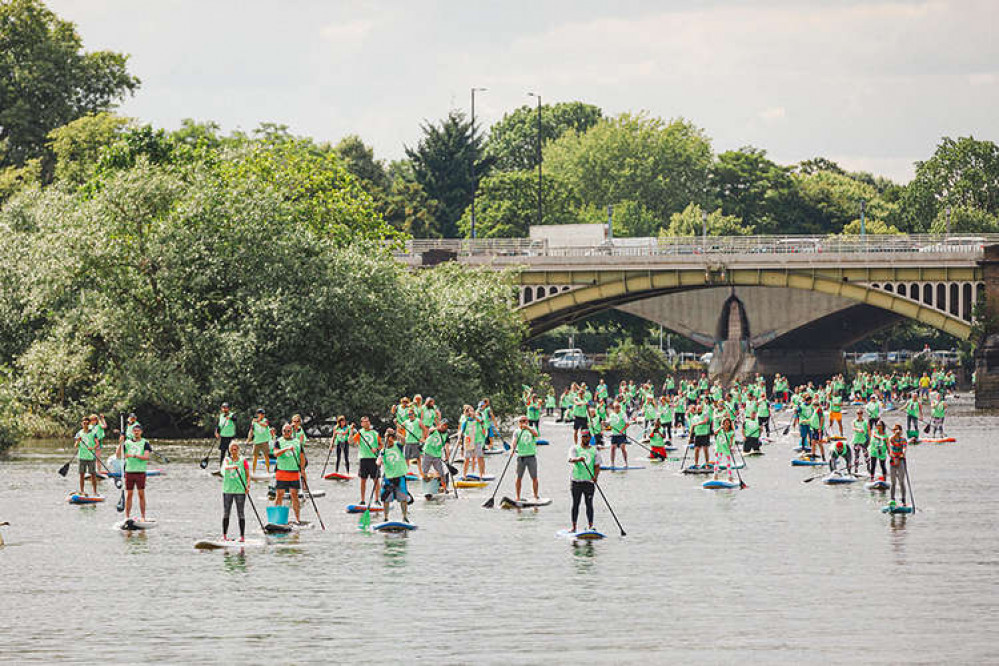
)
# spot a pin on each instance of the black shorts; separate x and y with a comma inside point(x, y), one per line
point(368, 469)
point(619, 440)
point(702, 440)
point(579, 423)
point(224, 443)
point(288, 485)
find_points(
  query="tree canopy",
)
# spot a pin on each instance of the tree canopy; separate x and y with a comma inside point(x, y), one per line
point(513, 141)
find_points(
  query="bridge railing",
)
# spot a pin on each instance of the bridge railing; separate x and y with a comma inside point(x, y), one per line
point(696, 245)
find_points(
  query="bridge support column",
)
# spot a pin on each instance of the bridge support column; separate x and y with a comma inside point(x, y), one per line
point(987, 355)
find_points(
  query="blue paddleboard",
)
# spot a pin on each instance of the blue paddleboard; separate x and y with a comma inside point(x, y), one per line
point(798, 462)
point(619, 468)
point(719, 484)
point(393, 526)
point(897, 509)
point(583, 535)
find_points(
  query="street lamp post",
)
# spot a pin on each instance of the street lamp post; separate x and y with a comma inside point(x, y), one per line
point(475, 185)
point(863, 223)
point(530, 94)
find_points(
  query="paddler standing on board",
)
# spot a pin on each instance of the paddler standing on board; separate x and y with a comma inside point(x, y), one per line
point(260, 436)
point(585, 461)
point(724, 439)
point(394, 464)
point(134, 451)
point(525, 447)
point(225, 430)
point(289, 473)
point(861, 434)
point(86, 446)
point(896, 453)
point(368, 443)
point(235, 485)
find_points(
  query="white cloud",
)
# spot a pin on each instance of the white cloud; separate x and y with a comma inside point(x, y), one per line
point(353, 32)
point(772, 113)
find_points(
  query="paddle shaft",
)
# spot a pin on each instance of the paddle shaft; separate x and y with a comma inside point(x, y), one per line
point(250, 498)
point(204, 461)
point(593, 478)
point(509, 458)
point(121, 431)
point(305, 485)
point(909, 484)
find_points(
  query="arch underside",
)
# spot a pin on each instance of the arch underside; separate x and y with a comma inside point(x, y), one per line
point(876, 307)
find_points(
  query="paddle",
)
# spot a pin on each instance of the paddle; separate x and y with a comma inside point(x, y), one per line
point(204, 461)
point(252, 505)
point(162, 457)
point(65, 468)
point(450, 468)
point(305, 484)
point(601, 490)
point(817, 476)
point(333, 445)
point(121, 445)
point(117, 479)
point(364, 522)
point(909, 484)
point(489, 503)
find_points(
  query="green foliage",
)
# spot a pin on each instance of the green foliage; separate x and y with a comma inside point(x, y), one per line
point(359, 159)
point(638, 361)
point(77, 145)
point(442, 163)
point(11, 430)
point(830, 200)
point(870, 227)
point(46, 80)
point(691, 223)
point(754, 189)
point(513, 141)
point(965, 221)
point(963, 173)
point(661, 165)
point(507, 204)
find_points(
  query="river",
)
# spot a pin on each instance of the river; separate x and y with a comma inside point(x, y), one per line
point(781, 572)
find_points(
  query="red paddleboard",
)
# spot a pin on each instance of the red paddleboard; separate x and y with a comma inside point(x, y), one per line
point(337, 476)
point(936, 440)
point(84, 499)
point(359, 508)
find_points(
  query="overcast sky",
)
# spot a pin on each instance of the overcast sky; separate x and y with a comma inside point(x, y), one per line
point(873, 85)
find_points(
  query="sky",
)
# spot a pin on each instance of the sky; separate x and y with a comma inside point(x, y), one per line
point(873, 85)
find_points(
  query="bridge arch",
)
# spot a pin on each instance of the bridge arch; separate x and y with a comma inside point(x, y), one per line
point(943, 299)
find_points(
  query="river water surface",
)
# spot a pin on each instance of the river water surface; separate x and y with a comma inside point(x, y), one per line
point(782, 572)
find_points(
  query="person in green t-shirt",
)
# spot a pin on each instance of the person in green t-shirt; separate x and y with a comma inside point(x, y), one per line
point(751, 432)
point(938, 411)
point(235, 486)
point(434, 449)
point(368, 444)
point(289, 454)
point(260, 436)
point(87, 449)
point(525, 447)
point(225, 430)
point(135, 452)
point(392, 460)
point(585, 461)
point(534, 412)
point(340, 441)
point(860, 436)
point(550, 404)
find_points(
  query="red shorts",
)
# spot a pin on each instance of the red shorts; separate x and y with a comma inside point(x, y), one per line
point(135, 480)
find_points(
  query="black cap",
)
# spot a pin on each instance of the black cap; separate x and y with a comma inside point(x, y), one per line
point(225, 404)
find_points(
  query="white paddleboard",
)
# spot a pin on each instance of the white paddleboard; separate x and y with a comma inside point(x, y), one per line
point(526, 503)
point(134, 524)
point(218, 544)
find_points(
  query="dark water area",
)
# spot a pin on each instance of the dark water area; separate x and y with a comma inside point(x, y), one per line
point(781, 572)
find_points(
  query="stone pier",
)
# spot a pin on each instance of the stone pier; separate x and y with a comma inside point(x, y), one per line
point(987, 355)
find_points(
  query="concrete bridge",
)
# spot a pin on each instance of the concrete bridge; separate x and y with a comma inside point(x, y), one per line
point(804, 299)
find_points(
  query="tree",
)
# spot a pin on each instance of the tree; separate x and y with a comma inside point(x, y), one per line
point(749, 186)
point(661, 165)
point(360, 160)
point(442, 163)
point(690, 222)
point(874, 227)
point(513, 141)
point(962, 173)
point(827, 201)
point(965, 221)
point(77, 145)
point(507, 205)
point(47, 80)
point(408, 208)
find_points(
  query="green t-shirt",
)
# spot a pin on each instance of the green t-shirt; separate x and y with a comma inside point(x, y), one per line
point(234, 476)
point(878, 447)
point(288, 461)
point(751, 428)
point(702, 424)
point(579, 407)
point(912, 407)
point(261, 432)
point(585, 470)
point(394, 462)
point(412, 429)
point(86, 444)
point(434, 446)
point(367, 443)
point(525, 443)
point(939, 409)
point(227, 425)
point(859, 432)
point(550, 402)
point(723, 442)
point(135, 448)
point(618, 423)
point(836, 404)
point(533, 412)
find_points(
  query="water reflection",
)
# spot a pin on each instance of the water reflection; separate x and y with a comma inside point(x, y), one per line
point(396, 546)
point(137, 542)
point(235, 562)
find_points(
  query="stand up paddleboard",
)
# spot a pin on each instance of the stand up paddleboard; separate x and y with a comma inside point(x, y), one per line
point(698, 469)
point(880, 484)
point(494, 451)
point(726, 467)
point(542, 442)
point(837, 479)
point(222, 545)
point(150, 472)
point(936, 440)
point(134, 524)
point(619, 468)
point(261, 476)
point(896, 509)
point(337, 476)
point(508, 503)
point(720, 484)
point(476, 477)
point(584, 535)
point(361, 508)
point(274, 528)
point(394, 526)
point(798, 462)
point(76, 498)
point(754, 453)
point(302, 495)
point(100, 476)
point(462, 483)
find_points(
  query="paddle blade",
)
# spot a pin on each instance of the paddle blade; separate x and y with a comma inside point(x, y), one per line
point(121, 503)
point(64, 470)
point(927, 428)
point(506, 447)
point(204, 463)
point(364, 522)
point(488, 504)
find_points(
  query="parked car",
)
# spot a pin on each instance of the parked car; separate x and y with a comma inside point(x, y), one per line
point(570, 359)
point(797, 245)
point(706, 358)
point(868, 357)
point(945, 357)
point(957, 244)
